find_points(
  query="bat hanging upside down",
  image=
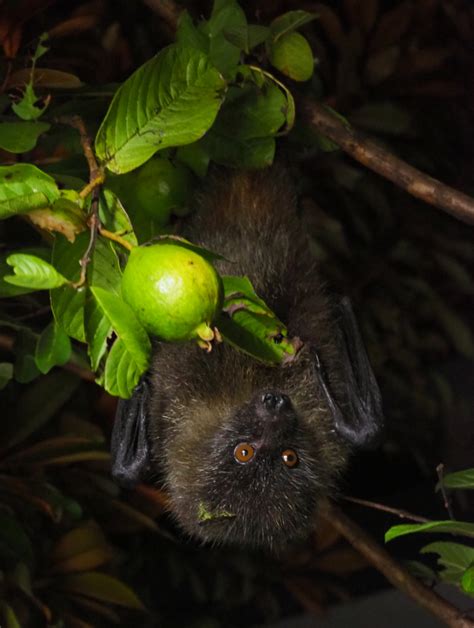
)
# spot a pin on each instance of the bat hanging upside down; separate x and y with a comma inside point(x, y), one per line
point(247, 451)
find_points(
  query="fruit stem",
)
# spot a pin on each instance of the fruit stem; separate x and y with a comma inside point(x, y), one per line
point(96, 181)
point(116, 238)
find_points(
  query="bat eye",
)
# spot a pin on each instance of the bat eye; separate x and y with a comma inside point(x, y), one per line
point(289, 458)
point(244, 452)
point(278, 339)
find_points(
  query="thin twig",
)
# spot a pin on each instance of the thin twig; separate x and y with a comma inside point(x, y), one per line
point(86, 142)
point(90, 187)
point(393, 571)
point(403, 514)
point(96, 178)
point(447, 501)
point(93, 222)
point(7, 343)
point(380, 160)
point(116, 238)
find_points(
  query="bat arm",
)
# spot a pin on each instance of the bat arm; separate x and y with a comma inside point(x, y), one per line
point(130, 450)
point(362, 424)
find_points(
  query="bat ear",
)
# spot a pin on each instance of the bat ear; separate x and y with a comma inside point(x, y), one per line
point(129, 445)
point(362, 421)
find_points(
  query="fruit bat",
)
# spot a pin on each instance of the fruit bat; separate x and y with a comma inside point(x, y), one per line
point(246, 451)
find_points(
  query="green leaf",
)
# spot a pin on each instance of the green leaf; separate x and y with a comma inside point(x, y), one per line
point(23, 188)
point(288, 22)
point(171, 100)
point(15, 545)
point(247, 37)
point(292, 55)
point(246, 125)
point(459, 479)
point(252, 113)
point(39, 403)
point(121, 374)
point(20, 137)
point(241, 289)
point(68, 303)
point(223, 54)
point(33, 272)
point(26, 369)
point(102, 587)
point(53, 348)
point(454, 557)
point(130, 358)
point(9, 290)
point(255, 335)
point(238, 36)
point(187, 35)
point(104, 268)
point(453, 527)
point(467, 581)
point(261, 78)
point(248, 324)
point(104, 272)
point(257, 35)
point(114, 218)
point(6, 373)
point(125, 324)
point(27, 108)
point(9, 616)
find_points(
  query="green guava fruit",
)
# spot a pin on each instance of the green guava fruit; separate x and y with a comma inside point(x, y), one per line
point(157, 188)
point(175, 292)
point(163, 187)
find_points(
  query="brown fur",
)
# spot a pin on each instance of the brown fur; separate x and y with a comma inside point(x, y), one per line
point(204, 403)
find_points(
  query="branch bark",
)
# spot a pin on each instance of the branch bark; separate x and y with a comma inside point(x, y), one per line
point(403, 514)
point(369, 153)
point(395, 573)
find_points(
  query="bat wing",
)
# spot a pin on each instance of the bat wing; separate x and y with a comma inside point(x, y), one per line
point(362, 422)
point(129, 445)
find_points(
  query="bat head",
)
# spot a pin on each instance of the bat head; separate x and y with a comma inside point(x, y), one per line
point(254, 454)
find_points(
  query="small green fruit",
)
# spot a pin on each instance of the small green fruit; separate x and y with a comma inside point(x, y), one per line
point(163, 187)
point(175, 292)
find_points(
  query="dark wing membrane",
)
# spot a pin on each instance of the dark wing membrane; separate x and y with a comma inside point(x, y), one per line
point(129, 445)
point(363, 422)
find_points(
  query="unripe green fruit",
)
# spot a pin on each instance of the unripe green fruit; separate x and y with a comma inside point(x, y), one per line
point(175, 292)
point(162, 187)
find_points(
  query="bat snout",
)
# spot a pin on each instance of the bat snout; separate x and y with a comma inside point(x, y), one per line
point(276, 402)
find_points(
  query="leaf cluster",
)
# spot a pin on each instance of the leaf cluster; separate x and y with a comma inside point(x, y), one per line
point(194, 102)
point(455, 560)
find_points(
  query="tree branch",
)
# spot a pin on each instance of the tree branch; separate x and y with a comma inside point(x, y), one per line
point(369, 153)
point(403, 514)
point(395, 573)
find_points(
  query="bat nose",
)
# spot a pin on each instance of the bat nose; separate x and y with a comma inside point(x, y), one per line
point(275, 402)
